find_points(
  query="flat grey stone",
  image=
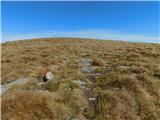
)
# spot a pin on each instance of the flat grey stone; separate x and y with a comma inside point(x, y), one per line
point(87, 69)
point(6, 87)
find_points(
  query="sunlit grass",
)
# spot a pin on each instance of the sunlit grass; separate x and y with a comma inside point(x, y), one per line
point(128, 87)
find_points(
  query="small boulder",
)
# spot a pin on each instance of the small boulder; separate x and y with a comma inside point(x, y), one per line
point(47, 73)
point(48, 76)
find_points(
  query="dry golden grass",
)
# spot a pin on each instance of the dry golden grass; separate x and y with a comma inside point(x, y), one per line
point(28, 105)
point(128, 88)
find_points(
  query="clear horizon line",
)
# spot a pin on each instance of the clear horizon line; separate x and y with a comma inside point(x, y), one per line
point(86, 33)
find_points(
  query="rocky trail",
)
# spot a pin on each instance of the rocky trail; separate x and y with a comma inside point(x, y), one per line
point(89, 70)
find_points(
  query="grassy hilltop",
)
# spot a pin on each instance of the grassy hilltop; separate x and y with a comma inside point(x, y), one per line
point(121, 80)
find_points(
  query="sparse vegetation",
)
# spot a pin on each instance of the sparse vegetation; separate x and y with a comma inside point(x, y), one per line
point(125, 84)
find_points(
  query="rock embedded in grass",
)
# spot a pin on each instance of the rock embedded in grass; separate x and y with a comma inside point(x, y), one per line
point(86, 62)
point(88, 69)
point(47, 73)
point(93, 77)
point(92, 99)
point(49, 76)
point(21, 81)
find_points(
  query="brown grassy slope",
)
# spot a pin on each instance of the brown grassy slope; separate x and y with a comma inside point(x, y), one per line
point(129, 90)
point(24, 58)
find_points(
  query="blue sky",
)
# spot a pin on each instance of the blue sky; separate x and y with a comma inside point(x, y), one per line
point(131, 21)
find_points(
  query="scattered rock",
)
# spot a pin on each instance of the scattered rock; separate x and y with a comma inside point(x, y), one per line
point(97, 74)
point(86, 62)
point(116, 88)
point(92, 99)
point(43, 42)
point(87, 69)
point(93, 77)
point(123, 67)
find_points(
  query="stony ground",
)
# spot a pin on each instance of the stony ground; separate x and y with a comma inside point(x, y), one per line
point(94, 80)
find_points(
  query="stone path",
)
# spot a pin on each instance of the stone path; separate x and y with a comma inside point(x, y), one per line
point(89, 71)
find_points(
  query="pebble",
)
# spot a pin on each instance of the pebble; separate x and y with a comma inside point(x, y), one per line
point(92, 99)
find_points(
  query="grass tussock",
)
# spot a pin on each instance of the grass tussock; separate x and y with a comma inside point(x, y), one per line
point(28, 106)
